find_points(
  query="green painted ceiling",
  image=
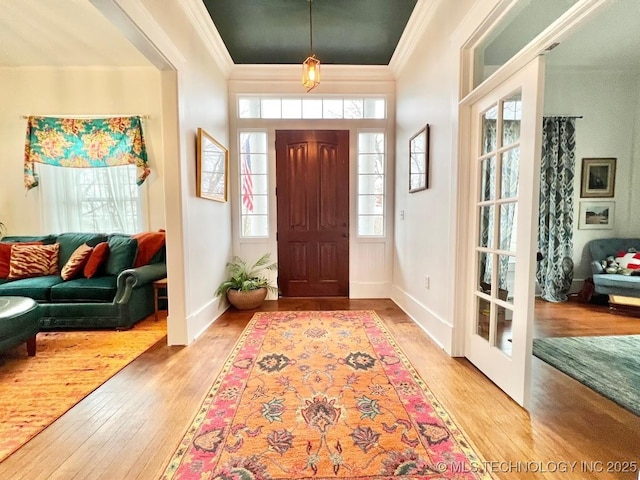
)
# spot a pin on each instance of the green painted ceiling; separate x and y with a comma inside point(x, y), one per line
point(345, 32)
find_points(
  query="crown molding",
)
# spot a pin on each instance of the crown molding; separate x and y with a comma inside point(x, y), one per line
point(421, 16)
point(199, 17)
point(335, 73)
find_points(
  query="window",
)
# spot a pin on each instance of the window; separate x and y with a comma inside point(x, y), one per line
point(254, 184)
point(101, 200)
point(519, 26)
point(312, 108)
point(371, 179)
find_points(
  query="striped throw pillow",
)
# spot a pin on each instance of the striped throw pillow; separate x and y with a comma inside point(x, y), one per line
point(33, 260)
point(76, 262)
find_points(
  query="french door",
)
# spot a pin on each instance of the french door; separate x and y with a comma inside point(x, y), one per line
point(504, 172)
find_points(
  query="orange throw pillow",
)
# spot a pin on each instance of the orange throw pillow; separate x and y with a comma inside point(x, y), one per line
point(5, 256)
point(149, 243)
point(33, 260)
point(96, 259)
point(76, 262)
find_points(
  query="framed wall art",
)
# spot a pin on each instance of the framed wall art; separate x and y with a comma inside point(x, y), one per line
point(212, 169)
point(596, 215)
point(598, 177)
point(419, 161)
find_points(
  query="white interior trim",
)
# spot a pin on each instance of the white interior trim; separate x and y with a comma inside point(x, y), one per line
point(284, 73)
point(121, 13)
point(421, 16)
point(199, 17)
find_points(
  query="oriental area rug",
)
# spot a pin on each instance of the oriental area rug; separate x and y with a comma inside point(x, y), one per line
point(69, 365)
point(610, 365)
point(321, 395)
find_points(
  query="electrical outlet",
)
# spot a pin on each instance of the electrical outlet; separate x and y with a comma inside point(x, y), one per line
point(401, 214)
point(427, 282)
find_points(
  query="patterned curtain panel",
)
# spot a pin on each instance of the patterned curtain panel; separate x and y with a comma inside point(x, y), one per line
point(555, 228)
point(90, 142)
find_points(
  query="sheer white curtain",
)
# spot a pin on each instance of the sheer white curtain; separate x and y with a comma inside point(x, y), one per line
point(106, 200)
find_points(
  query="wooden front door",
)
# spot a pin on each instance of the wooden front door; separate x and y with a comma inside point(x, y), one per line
point(312, 187)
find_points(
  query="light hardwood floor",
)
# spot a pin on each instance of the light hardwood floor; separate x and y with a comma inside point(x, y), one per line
point(129, 427)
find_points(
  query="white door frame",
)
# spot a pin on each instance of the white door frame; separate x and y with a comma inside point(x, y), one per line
point(468, 35)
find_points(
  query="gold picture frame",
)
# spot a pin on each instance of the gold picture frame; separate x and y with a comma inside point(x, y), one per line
point(419, 160)
point(212, 169)
point(598, 178)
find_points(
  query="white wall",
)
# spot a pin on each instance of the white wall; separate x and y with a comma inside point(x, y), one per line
point(72, 92)
point(609, 103)
point(426, 92)
point(198, 230)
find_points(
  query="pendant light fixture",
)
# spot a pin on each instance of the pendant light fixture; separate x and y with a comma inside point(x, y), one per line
point(311, 66)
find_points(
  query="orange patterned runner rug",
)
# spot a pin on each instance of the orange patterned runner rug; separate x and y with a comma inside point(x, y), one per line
point(321, 395)
point(35, 391)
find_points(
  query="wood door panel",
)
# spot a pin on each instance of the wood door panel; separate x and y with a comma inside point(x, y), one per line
point(299, 261)
point(312, 184)
point(327, 261)
point(297, 186)
point(329, 187)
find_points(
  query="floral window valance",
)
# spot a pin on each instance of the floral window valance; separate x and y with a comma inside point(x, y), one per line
point(84, 142)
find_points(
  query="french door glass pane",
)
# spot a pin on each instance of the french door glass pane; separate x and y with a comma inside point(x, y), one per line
point(508, 263)
point(509, 172)
point(483, 315)
point(511, 119)
point(486, 227)
point(508, 224)
point(489, 132)
point(484, 272)
point(487, 179)
point(503, 329)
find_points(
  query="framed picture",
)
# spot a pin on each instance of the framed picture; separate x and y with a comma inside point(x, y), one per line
point(212, 168)
point(419, 161)
point(596, 215)
point(598, 177)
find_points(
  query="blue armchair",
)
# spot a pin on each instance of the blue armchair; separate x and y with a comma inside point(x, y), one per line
point(613, 283)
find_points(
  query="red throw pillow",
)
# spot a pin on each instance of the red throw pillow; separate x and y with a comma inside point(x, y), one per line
point(76, 262)
point(96, 259)
point(5, 256)
point(630, 260)
point(149, 243)
point(33, 260)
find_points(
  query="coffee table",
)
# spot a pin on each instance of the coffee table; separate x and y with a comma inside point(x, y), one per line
point(19, 322)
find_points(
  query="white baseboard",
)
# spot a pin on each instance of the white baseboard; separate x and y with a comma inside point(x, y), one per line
point(436, 328)
point(369, 289)
point(199, 321)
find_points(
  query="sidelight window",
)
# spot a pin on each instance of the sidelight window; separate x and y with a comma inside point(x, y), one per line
point(371, 182)
point(254, 184)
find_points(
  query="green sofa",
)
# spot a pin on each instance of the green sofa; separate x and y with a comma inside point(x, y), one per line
point(118, 297)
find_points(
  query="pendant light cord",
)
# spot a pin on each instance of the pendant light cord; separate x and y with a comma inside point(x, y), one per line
point(310, 28)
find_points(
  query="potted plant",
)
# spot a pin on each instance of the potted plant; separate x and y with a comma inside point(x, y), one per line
point(247, 285)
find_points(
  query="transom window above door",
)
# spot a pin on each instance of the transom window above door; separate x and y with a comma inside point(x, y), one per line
point(348, 108)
